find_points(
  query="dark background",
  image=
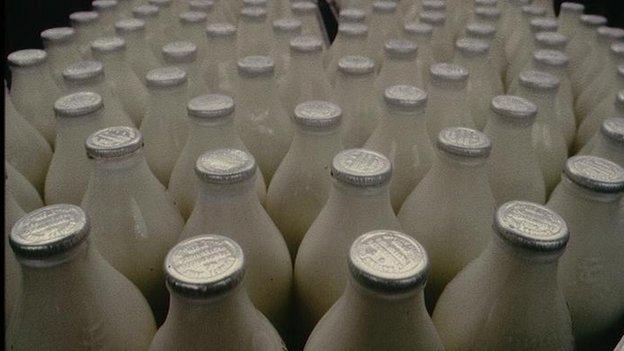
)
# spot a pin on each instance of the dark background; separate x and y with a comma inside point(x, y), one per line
point(25, 19)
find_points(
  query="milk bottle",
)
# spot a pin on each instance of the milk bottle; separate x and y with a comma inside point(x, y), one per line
point(421, 34)
point(87, 27)
point(254, 32)
point(12, 273)
point(569, 17)
point(400, 65)
point(106, 9)
point(183, 55)
point(308, 13)
point(284, 29)
point(140, 56)
point(219, 68)
point(351, 40)
point(442, 38)
point(153, 30)
point(59, 44)
point(487, 33)
point(192, 27)
point(383, 25)
point(581, 46)
point(23, 193)
point(608, 143)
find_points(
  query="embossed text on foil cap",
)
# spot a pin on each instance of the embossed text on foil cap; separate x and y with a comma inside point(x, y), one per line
point(78, 104)
point(388, 261)
point(27, 57)
point(204, 266)
point(108, 45)
point(83, 70)
point(356, 65)
point(405, 97)
point(48, 231)
point(210, 106)
point(401, 48)
point(353, 30)
point(114, 142)
point(352, 14)
point(58, 35)
point(306, 44)
point(179, 52)
point(287, 25)
point(531, 226)
point(165, 77)
point(220, 30)
point(595, 173)
point(256, 66)
point(613, 129)
point(361, 167)
point(514, 109)
point(129, 25)
point(464, 142)
point(317, 115)
point(225, 166)
point(469, 47)
point(446, 72)
point(539, 81)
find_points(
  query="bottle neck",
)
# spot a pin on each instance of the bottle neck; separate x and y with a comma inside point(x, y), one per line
point(323, 144)
point(516, 136)
point(259, 92)
point(24, 79)
point(306, 66)
point(476, 65)
point(239, 195)
point(163, 99)
point(115, 65)
point(223, 49)
point(71, 132)
point(457, 167)
point(210, 131)
point(125, 165)
point(400, 120)
point(136, 42)
point(545, 102)
point(353, 91)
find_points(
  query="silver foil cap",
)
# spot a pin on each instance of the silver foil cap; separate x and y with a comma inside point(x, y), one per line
point(610, 33)
point(83, 17)
point(433, 5)
point(432, 18)
point(593, 21)
point(210, 106)
point(225, 166)
point(201, 5)
point(388, 261)
point(470, 47)
point(287, 25)
point(418, 29)
point(572, 7)
point(58, 35)
point(514, 109)
point(613, 129)
point(220, 30)
point(191, 17)
point(129, 25)
point(617, 49)
point(317, 115)
point(464, 142)
point(145, 11)
point(83, 71)
point(401, 49)
point(352, 15)
point(204, 266)
point(165, 77)
point(539, 81)
point(303, 7)
point(27, 58)
point(487, 13)
point(49, 231)
point(552, 58)
point(306, 44)
point(544, 24)
point(551, 40)
point(108, 45)
point(533, 10)
point(256, 66)
point(113, 142)
point(353, 30)
point(446, 72)
point(179, 52)
point(595, 173)
point(405, 97)
point(356, 65)
point(104, 5)
point(361, 168)
point(384, 6)
point(531, 226)
point(78, 104)
point(480, 30)
point(253, 14)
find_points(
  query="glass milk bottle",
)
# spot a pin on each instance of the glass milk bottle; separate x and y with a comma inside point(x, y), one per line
point(33, 90)
point(400, 65)
point(107, 11)
point(473, 55)
point(89, 76)
point(227, 179)
point(133, 222)
point(359, 103)
point(421, 34)
point(551, 41)
point(308, 13)
point(78, 116)
point(59, 44)
point(127, 87)
point(401, 135)
point(284, 29)
point(164, 127)
point(12, 273)
point(442, 38)
point(166, 20)
point(521, 36)
point(221, 13)
point(608, 142)
point(548, 138)
point(351, 15)
point(209, 304)
point(263, 123)
point(448, 104)
point(358, 202)
point(305, 79)
point(150, 15)
point(588, 198)
point(569, 16)
point(26, 196)
point(487, 33)
point(62, 271)
point(192, 27)
point(351, 40)
point(581, 46)
point(140, 56)
point(211, 120)
point(86, 24)
point(301, 184)
point(205, 6)
point(24, 147)
point(219, 68)
point(183, 55)
point(515, 172)
point(383, 25)
point(382, 306)
point(254, 37)
point(454, 232)
point(491, 16)
point(509, 298)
